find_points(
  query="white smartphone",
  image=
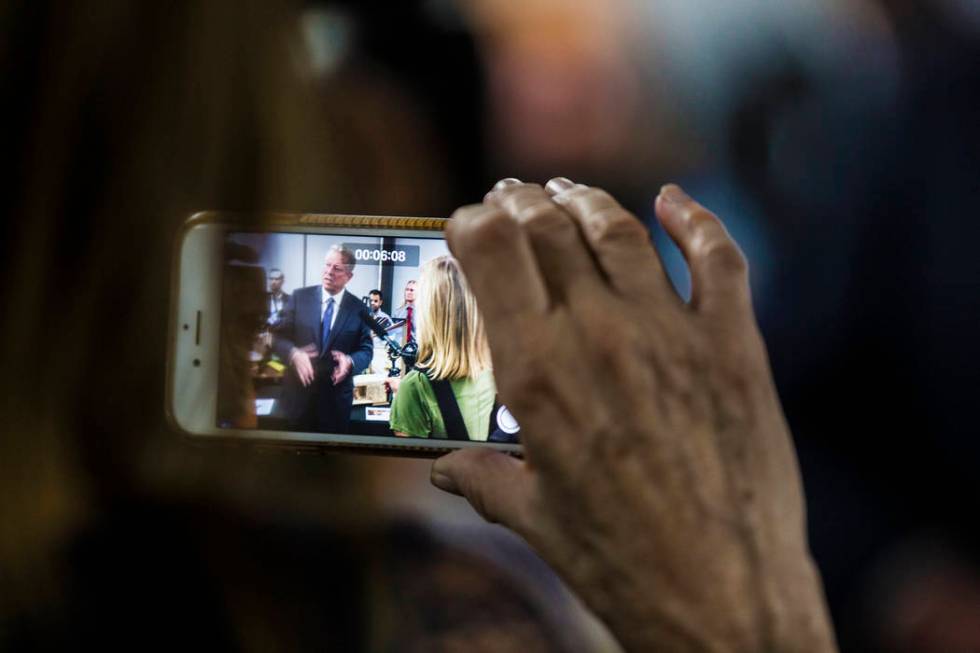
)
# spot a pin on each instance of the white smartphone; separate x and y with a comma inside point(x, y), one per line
point(328, 331)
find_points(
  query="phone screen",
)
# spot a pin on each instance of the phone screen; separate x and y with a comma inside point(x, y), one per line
point(355, 335)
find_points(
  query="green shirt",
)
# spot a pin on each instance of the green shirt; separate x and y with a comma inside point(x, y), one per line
point(415, 410)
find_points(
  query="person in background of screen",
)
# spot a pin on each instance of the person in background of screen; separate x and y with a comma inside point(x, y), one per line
point(453, 347)
point(277, 297)
point(406, 312)
point(375, 298)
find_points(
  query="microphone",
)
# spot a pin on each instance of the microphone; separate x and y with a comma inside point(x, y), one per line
point(377, 329)
point(396, 324)
point(409, 352)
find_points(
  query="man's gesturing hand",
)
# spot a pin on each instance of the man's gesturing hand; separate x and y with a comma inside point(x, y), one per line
point(302, 360)
point(659, 477)
point(342, 366)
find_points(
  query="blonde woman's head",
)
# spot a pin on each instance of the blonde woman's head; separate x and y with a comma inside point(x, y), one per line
point(452, 342)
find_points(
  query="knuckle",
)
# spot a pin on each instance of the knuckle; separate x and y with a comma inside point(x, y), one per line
point(712, 244)
point(486, 227)
point(511, 198)
point(698, 215)
point(519, 190)
point(542, 216)
point(702, 226)
point(586, 201)
point(614, 226)
point(723, 255)
point(590, 198)
point(700, 218)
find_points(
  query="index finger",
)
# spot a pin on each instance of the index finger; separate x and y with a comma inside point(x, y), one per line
point(499, 264)
point(500, 267)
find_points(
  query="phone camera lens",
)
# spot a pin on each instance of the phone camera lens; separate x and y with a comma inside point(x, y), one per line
point(197, 362)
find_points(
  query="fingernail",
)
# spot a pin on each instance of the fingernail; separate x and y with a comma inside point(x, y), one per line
point(559, 184)
point(674, 194)
point(444, 482)
point(503, 183)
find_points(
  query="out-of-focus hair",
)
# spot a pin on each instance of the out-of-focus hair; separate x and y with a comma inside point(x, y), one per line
point(122, 119)
point(452, 341)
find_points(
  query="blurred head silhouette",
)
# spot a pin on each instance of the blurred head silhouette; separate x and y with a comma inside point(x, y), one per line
point(128, 118)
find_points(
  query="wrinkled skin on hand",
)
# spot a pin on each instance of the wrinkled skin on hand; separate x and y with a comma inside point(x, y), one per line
point(659, 476)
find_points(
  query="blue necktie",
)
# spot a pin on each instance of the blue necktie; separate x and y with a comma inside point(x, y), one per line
point(325, 326)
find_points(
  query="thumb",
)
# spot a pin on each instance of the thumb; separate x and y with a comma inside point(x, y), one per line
point(498, 486)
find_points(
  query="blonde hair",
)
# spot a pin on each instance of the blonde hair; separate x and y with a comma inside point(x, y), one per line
point(452, 341)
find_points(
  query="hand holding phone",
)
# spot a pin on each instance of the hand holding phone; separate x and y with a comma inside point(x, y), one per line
point(659, 476)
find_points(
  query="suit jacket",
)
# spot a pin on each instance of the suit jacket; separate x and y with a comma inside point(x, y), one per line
point(321, 405)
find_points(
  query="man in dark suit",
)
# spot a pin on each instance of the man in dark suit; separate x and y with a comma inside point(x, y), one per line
point(326, 342)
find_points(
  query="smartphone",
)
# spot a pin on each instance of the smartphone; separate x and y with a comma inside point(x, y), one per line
point(328, 331)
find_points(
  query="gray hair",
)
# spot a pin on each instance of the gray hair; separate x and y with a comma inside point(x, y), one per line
point(345, 254)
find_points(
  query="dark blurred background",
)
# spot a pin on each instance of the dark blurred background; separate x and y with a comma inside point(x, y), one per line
point(838, 139)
